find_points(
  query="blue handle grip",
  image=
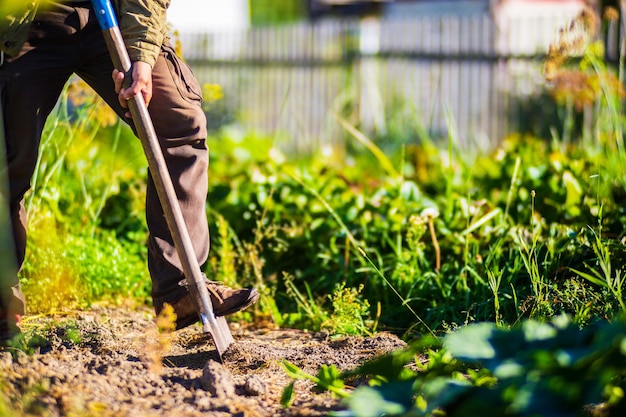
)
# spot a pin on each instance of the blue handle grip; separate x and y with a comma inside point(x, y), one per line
point(104, 13)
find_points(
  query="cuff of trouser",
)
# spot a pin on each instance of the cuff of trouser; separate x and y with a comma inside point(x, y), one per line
point(18, 303)
point(12, 302)
point(170, 298)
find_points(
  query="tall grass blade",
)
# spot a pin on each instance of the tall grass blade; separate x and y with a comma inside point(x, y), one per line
point(512, 188)
point(478, 223)
point(385, 162)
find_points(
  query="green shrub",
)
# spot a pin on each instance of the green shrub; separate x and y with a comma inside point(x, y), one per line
point(535, 368)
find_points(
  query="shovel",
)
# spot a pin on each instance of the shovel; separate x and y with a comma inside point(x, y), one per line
point(217, 327)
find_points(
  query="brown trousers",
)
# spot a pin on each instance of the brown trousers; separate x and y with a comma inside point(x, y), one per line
point(65, 39)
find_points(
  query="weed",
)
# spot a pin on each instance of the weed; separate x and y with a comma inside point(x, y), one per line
point(157, 341)
point(327, 379)
point(226, 271)
point(604, 275)
point(310, 311)
point(350, 314)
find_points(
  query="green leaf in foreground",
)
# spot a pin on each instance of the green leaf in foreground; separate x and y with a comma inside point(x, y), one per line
point(549, 369)
point(287, 396)
point(392, 399)
point(480, 349)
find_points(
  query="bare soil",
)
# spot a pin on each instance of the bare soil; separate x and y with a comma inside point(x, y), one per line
point(112, 361)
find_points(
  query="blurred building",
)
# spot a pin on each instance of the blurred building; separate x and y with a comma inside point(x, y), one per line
point(204, 15)
point(512, 16)
point(405, 8)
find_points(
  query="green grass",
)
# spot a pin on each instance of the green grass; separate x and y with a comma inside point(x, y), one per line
point(86, 225)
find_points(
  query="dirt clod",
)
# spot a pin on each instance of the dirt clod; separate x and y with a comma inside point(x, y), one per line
point(254, 386)
point(107, 368)
point(217, 380)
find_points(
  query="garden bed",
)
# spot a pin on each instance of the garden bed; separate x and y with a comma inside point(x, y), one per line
point(113, 361)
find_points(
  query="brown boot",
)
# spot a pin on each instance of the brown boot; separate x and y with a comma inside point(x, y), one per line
point(225, 301)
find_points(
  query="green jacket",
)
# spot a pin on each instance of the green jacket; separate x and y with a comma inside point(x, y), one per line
point(142, 22)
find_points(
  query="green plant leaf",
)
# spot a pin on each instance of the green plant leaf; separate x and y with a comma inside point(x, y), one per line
point(292, 370)
point(392, 366)
point(484, 219)
point(574, 191)
point(287, 396)
point(480, 348)
point(410, 191)
point(392, 399)
point(329, 377)
point(591, 278)
point(447, 393)
point(536, 331)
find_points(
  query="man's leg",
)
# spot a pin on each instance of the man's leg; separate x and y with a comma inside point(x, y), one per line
point(31, 83)
point(180, 125)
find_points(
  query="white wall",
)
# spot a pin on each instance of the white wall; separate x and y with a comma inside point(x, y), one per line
point(436, 8)
point(206, 15)
point(518, 37)
point(227, 20)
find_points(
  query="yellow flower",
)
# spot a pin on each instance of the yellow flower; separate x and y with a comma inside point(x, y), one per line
point(611, 14)
point(212, 93)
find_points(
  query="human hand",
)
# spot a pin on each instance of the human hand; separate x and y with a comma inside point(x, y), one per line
point(142, 83)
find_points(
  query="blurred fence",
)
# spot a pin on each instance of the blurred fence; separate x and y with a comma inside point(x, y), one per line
point(464, 75)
